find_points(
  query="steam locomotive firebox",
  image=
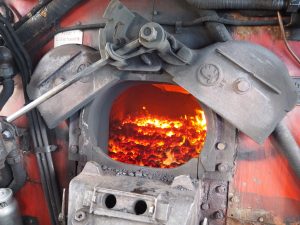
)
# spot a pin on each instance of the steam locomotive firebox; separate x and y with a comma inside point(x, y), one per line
point(156, 125)
point(141, 103)
point(154, 142)
point(154, 128)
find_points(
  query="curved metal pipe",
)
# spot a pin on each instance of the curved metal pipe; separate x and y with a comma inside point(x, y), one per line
point(14, 159)
point(283, 138)
point(239, 4)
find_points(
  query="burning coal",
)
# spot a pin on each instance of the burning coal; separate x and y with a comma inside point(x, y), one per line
point(146, 139)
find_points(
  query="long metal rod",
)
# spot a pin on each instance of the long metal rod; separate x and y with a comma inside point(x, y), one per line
point(86, 72)
point(43, 172)
point(89, 70)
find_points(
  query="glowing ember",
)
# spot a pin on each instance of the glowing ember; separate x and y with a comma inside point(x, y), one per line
point(148, 140)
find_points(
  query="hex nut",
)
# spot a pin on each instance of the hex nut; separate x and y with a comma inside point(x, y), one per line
point(148, 33)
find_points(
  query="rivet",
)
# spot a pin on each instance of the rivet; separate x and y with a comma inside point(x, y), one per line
point(218, 214)
point(221, 146)
point(234, 199)
point(242, 85)
point(261, 219)
point(205, 206)
point(73, 149)
point(222, 167)
point(221, 189)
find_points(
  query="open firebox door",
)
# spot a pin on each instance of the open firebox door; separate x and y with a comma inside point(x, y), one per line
point(153, 120)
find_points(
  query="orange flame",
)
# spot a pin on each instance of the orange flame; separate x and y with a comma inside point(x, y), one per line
point(153, 141)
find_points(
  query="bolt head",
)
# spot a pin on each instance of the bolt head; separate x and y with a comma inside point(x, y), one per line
point(205, 206)
point(221, 146)
point(261, 219)
point(222, 167)
point(234, 199)
point(148, 33)
point(7, 134)
point(242, 85)
point(219, 214)
point(221, 189)
point(73, 149)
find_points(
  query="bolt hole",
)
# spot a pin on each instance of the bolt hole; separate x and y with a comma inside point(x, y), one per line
point(110, 201)
point(147, 31)
point(140, 207)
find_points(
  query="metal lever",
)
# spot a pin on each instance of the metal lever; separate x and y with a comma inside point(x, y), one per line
point(84, 73)
point(88, 71)
point(152, 37)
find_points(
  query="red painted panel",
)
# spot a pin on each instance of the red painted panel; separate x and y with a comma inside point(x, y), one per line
point(263, 178)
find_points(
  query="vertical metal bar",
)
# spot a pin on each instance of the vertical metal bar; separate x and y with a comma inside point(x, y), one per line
point(41, 168)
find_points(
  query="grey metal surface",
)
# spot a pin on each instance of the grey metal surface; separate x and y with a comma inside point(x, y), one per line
point(47, 95)
point(214, 201)
point(250, 87)
point(91, 190)
point(252, 84)
point(9, 210)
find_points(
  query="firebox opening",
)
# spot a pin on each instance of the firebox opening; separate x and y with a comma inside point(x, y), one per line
point(156, 125)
